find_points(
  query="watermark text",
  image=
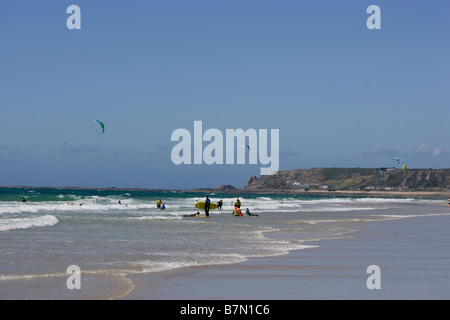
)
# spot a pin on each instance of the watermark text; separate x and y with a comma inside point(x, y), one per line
point(250, 144)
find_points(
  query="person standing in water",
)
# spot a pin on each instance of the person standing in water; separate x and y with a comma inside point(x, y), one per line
point(237, 207)
point(207, 206)
point(158, 204)
point(237, 204)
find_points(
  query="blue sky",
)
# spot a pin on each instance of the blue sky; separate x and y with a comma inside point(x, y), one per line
point(340, 94)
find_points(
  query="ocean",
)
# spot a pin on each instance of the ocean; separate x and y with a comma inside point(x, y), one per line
point(58, 228)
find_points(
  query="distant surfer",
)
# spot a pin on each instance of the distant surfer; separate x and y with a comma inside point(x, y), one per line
point(219, 205)
point(158, 204)
point(207, 206)
point(163, 207)
point(250, 214)
point(23, 199)
point(120, 203)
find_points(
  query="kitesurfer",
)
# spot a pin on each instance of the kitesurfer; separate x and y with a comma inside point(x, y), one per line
point(207, 206)
point(102, 126)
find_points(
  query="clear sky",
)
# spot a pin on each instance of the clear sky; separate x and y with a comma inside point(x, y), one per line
point(340, 94)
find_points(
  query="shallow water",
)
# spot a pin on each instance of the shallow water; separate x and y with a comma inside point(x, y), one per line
point(58, 228)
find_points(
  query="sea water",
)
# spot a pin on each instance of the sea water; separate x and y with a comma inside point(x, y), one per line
point(107, 240)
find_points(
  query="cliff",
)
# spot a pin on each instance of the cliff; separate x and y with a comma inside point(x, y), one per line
point(354, 179)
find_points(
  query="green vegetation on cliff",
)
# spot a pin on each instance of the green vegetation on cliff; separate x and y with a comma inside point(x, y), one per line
point(355, 179)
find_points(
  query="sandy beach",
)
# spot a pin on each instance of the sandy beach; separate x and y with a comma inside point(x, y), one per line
point(412, 255)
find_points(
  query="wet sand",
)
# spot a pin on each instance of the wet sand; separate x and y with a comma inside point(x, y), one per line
point(412, 255)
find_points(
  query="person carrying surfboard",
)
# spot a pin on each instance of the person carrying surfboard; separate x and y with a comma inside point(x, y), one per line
point(207, 206)
point(237, 208)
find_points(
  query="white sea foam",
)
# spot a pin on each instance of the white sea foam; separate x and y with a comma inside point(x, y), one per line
point(155, 217)
point(267, 204)
point(25, 223)
point(145, 266)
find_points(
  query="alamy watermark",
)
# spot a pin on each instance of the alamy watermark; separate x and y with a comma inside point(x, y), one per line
point(374, 21)
point(74, 280)
point(251, 144)
point(74, 20)
point(374, 280)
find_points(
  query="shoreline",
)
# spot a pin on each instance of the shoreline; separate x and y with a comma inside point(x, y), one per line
point(432, 194)
point(412, 254)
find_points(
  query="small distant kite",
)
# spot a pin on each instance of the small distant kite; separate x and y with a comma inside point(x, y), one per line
point(102, 126)
point(396, 159)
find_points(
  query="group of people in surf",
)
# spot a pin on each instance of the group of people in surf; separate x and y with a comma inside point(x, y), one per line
point(236, 212)
point(160, 205)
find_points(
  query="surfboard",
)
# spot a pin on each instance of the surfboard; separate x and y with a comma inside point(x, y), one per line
point(236, 209)
point(201, 205)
